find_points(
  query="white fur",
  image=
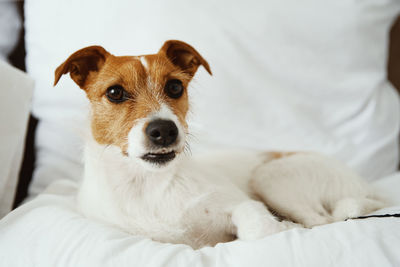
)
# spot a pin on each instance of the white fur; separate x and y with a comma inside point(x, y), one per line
point(208, 199)
point(144, 62)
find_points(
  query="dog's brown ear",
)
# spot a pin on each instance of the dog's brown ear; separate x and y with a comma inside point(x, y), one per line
point(81, 63)
point(184, 56)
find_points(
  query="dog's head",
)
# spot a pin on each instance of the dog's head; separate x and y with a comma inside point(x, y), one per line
point(139, 103)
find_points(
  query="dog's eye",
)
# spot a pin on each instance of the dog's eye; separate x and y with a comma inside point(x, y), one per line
point(116, 94)
point(174, 88)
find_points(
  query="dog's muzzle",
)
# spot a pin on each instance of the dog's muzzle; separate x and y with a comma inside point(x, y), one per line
point(161, 135)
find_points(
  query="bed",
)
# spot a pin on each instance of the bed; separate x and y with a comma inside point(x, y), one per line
point(288, 76)
point(48, 231)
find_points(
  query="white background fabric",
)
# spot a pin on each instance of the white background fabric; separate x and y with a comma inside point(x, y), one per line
point(288, 75)
point(48, 232)
point(16, 90)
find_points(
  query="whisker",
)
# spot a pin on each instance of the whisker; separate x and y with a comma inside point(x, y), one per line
point(187, 150)
point(191, 137)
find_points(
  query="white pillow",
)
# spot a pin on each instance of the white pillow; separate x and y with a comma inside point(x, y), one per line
point(15, 100)
point(288, 75)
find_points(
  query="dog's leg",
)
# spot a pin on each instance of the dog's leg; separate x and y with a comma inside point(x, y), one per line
point(254, 221)
point(312, 189)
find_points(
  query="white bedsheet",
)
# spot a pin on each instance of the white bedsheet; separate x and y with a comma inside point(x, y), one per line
point(48, 231)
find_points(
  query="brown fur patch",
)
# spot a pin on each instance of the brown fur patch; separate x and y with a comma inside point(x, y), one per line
point(274, 155)
point(278, 155)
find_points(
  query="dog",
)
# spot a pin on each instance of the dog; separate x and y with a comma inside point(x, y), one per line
point(138, 177)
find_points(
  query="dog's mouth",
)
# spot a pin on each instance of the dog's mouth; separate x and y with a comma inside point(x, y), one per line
point(159, 158)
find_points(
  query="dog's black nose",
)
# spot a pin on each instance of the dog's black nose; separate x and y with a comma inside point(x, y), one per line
point(162, 132)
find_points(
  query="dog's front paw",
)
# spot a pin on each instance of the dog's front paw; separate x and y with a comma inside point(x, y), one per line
point(263, 229)
point(254, 221)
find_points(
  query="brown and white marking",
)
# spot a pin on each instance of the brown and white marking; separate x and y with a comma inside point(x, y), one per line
point(143, 80)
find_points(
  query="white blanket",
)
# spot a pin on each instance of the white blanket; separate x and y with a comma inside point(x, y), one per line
point(48, 231)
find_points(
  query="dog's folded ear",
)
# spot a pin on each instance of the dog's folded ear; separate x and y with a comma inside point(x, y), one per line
point(81, 64)
point(184, 56)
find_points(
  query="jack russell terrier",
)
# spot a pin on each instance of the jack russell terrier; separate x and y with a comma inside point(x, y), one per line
point(138, 178)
